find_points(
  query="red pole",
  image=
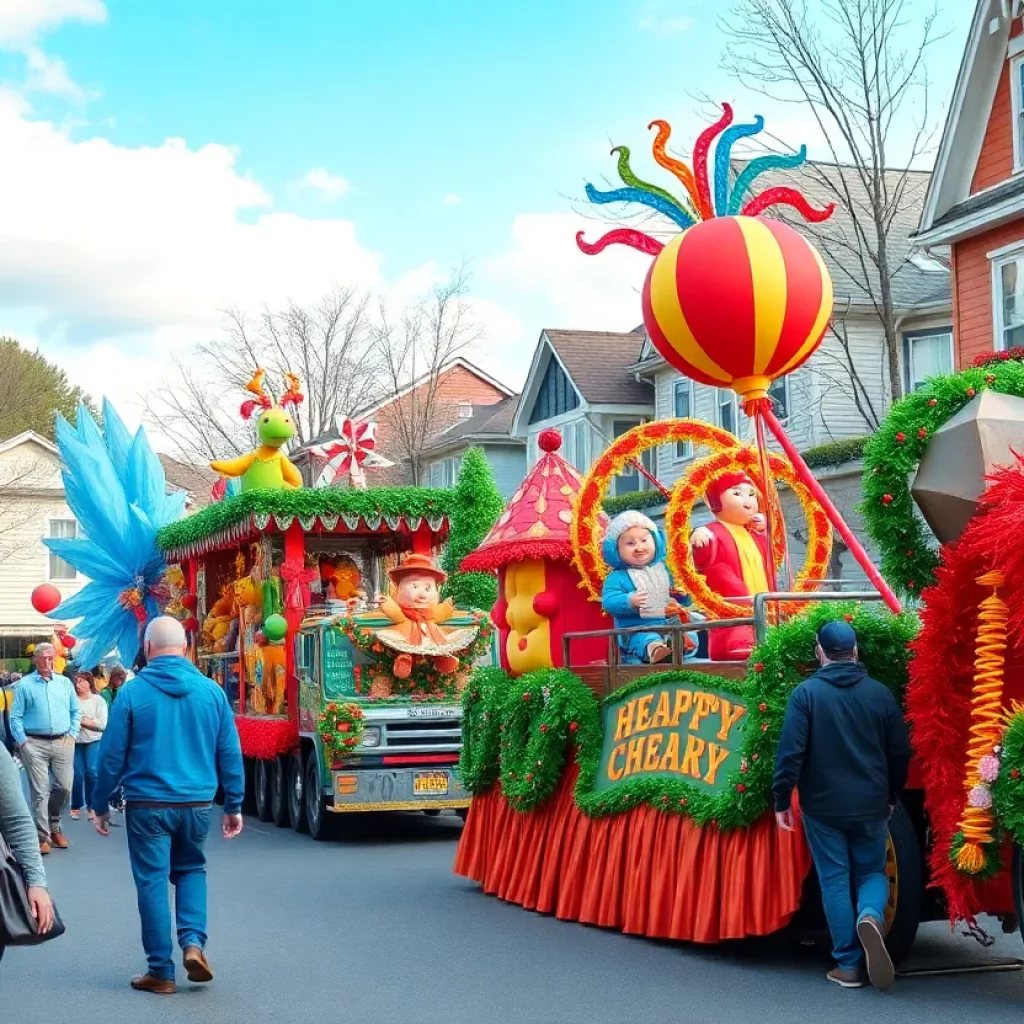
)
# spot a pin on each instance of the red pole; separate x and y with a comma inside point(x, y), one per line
point(807, 478)
point(767, 485)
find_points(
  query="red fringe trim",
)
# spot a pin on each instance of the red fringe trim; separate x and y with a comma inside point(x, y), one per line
point(266, 738)
point(642, 872)
point(494, 556)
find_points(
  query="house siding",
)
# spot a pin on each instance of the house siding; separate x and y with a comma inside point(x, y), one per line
point(995, 162)
point(973, 328)
point(508, 465)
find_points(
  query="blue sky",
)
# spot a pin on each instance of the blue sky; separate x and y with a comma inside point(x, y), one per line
point(441, 130)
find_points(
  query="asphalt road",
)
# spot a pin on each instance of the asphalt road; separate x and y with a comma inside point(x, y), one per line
point(375, 928)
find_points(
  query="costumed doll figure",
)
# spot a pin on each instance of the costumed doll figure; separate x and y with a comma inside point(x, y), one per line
point(732, 554)
point(639, 589)
point(417, 613)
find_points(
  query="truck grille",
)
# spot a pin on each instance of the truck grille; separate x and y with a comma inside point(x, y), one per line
point(441, 735)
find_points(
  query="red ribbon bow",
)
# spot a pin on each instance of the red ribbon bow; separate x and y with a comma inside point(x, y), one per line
point(295, 575)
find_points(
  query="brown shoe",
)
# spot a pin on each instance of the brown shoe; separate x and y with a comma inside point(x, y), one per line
point(845, 979)
point(881, 972)
point(196, 966)
point(158, 986)
point(44, 847)
point(658, 652)
point(58, 840)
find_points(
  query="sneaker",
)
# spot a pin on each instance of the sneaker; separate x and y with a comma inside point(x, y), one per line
point(881, 972)
point(158, 986)
point(75, 815)
point(196, 966)
point(845, 979)
point(58, 840)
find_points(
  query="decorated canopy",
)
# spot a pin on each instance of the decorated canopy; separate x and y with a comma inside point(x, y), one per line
point(535, 524)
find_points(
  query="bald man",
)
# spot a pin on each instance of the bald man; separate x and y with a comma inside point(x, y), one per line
point(170, 742)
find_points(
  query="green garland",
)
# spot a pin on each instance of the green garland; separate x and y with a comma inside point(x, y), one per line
point(341, 729)
point(424, 680)
point(476, 505)
point(1008, 789)
point(519, 730)
point(992, 853)
point(908, 558)
point(408, 502)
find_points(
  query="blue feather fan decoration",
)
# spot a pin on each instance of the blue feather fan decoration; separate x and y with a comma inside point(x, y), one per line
point(115, 486)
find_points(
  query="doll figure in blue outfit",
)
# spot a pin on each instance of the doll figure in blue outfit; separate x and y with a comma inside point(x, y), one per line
point(639, 589)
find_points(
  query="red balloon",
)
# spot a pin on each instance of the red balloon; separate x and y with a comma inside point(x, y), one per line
point(45, 598)
point(68, 641)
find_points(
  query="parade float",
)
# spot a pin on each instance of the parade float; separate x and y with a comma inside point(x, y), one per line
point(638, 796)
point(321, 610)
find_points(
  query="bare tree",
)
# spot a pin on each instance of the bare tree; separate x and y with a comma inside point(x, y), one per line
point(328, 345)
point(845, 63)
point(414, 348)
point(25, 481)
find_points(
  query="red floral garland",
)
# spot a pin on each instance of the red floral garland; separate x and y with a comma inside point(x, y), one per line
point(266, 738)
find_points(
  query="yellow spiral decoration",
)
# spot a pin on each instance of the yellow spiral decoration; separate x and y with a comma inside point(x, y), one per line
point(986, 718)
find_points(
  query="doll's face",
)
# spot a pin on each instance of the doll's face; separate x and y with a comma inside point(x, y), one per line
point(739, 505)
point(418, 590)
point(346, 580)
point(636, 546)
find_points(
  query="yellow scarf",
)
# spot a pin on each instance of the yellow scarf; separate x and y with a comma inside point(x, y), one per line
point(751, 562)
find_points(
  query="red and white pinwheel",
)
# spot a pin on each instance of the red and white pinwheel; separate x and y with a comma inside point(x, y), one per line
point(348, 454)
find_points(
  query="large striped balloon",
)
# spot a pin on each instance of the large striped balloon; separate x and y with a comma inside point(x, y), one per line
point(737, 302)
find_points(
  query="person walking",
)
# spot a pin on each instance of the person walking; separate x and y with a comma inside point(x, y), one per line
point(45, 718)
point(116, 680)
point(87, 746)
point(19, 832)
point(171, 741)
point(844, 747)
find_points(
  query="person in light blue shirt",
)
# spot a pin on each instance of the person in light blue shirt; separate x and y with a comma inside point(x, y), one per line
point(45, 718)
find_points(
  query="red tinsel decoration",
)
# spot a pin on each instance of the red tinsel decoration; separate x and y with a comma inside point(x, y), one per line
point(942, 671)
point(266, 738)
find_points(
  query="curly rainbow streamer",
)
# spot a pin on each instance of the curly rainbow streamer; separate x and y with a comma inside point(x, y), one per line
point(723, 155)
point(636, 195)
point(758, 167)
point(783, 195)
point(621, 236)
point(677, 167)
point(700, 159)
point(629, 178)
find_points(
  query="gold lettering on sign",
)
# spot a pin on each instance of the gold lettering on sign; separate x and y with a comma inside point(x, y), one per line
point(695, 747)
point(704, 703)
point(731, 714)
point(684, 701)
point(615, 773)
point(716, 755)
point(643, 714)
point(662, 716)
point(670, 759)
point(624, 724)
point(653, 751)
point(635, 755)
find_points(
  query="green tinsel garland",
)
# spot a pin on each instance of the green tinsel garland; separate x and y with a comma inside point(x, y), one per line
point(991, 852)
point(408, 502)
point(1008, 789)
point(892, 455)
point(476, 505)
point(341, 729)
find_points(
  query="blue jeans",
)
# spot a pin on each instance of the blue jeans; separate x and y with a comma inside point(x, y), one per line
point(87, 762)
point(166, 844)
point(849, 859)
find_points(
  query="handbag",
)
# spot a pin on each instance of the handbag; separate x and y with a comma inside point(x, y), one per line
point(17, 925)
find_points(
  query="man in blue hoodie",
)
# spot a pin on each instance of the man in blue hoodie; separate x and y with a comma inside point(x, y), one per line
point(170, 741)
point(844, 746)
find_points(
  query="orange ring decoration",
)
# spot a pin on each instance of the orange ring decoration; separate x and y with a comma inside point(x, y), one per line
point(691, 487)
point(585, 529)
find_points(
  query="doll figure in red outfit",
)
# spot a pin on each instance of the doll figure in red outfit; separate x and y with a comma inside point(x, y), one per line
point(732, 555)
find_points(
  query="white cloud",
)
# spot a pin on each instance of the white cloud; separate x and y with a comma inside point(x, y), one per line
point(23, 20)
point(660, 18)
point(451, 199)
point(330, 186)
point(50, 75)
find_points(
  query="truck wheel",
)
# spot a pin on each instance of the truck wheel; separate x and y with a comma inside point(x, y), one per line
point(279, 791)
point(904, 869)
point(249, 803)
point(261, 786)
point(297, 792)
point(317, 817)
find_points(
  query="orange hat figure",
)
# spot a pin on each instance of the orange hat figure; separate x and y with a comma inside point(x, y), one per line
point(417, 612)
point(732, 554)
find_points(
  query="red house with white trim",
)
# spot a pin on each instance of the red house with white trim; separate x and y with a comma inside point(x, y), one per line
point(975, 202)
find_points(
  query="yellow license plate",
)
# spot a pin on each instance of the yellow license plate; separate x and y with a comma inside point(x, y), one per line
point(430, 783)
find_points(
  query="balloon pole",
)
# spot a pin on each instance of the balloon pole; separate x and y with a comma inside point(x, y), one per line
point(767, 485)
point(844, 531)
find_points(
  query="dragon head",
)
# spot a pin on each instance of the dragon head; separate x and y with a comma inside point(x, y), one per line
point(275, 427)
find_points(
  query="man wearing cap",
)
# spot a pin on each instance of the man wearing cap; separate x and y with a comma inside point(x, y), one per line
point(44, 720)
point(844, 746)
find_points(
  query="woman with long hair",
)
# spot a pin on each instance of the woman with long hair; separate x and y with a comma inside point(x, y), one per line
point(115, 681)
point(87, 746)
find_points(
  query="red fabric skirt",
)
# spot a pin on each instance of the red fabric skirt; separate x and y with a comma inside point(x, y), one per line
point(644, 872)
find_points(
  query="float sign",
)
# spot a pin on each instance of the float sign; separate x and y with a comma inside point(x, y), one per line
point(673, 731)
point(339, 680)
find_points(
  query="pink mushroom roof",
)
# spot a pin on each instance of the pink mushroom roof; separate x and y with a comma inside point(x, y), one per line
point(535, 523)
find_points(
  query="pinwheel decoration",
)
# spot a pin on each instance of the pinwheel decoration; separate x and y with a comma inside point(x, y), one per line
point(356, 445)
point(735, 300)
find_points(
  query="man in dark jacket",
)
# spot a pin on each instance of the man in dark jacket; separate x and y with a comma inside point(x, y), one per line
point(844, 746)
point(170, 741)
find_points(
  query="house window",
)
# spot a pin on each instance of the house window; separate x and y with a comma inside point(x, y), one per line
point(445, 472)
point(1008, 301)
point(575, 444)
point(58, 568)
point(682, 407)
point(726, 409)
point(1017, 90)
point(779, 394)
point(629, 480)
point(926, 354)
point(556, 394)
point(465, 410)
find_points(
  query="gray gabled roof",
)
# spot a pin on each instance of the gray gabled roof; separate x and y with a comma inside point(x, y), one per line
point(598, 362)
point(488, 422)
